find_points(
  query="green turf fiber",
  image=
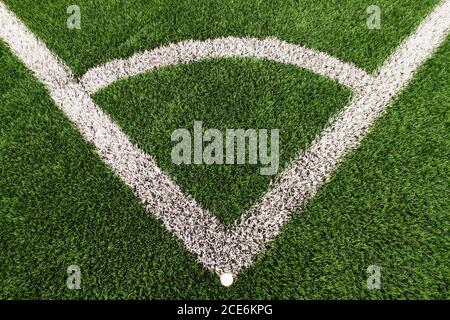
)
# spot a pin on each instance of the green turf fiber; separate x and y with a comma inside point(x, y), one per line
point(224, 94)
point(60, 205)
point(111, 28)
point(387, 204)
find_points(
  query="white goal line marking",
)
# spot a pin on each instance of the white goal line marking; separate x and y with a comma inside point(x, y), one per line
point(216, 247)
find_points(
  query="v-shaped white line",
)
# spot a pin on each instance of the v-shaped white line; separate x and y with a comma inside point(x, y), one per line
point(217, 248)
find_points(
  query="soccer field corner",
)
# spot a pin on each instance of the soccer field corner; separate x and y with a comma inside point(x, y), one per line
point(227, 150)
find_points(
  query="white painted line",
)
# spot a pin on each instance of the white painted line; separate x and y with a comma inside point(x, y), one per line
point(226, 251)
point(313, 167)
point(199, 230)
point(191, 50)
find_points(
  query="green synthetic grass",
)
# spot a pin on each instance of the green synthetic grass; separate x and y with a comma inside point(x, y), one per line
point(223, 94)
point(60, 204)
point(111, 28)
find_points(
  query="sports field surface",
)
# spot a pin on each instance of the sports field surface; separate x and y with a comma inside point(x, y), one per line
point(87, 179)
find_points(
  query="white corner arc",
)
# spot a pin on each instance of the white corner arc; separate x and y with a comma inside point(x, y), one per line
point(195, 50)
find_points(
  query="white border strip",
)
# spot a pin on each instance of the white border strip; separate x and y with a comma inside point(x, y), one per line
point(217, 248)
point(192, 50)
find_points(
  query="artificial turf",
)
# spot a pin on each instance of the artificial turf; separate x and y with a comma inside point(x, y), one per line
point(387, 204)
point(111, 28)
point(223, 94)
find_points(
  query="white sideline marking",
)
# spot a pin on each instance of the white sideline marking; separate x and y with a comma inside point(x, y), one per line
point(191, 50)
point(226, 251)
